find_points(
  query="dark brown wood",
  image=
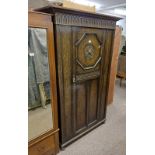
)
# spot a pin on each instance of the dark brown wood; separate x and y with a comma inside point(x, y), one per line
point(121, 69)
point(84, 43)
point(113, 70)
point(46, 144)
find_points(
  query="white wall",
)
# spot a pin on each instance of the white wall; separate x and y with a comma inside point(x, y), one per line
point(122, 23)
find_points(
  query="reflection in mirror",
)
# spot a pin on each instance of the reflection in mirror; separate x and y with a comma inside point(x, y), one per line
point(39, 99)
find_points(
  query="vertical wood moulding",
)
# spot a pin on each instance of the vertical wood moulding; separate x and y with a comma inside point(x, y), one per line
point(62, 120)
point(109, 65)
point(87, 101)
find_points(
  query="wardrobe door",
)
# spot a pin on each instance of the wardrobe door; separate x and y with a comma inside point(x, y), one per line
point(87, 62)
point(90, 71)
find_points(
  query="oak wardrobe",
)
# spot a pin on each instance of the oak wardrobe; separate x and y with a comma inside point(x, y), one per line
point(83, 48)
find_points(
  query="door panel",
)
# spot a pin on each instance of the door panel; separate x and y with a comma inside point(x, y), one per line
point(88, 45)
point(93, 95)
point(81, 106)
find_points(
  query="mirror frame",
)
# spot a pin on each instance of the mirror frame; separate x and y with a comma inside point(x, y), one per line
point(43, 20)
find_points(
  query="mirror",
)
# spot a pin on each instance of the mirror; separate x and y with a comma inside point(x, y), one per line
point(39, 92)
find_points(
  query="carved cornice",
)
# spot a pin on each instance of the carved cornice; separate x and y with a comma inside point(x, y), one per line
point(74, 20)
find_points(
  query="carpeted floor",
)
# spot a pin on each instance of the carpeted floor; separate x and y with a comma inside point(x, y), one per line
point(109, 138)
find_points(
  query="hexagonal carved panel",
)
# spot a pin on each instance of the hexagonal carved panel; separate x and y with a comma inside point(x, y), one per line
point(88, 51)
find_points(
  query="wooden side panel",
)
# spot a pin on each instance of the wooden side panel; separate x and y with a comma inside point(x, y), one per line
point(66, 62)
point(64, 68)
point(113, 69)
point(81, 106)
point(93, 101)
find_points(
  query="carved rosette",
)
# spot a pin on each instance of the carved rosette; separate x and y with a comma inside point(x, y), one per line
point(88, 51)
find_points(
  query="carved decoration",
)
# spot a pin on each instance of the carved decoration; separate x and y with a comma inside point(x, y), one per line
point(88, 76)
point(74, 20)
point(88, 51)
point(91, 67)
